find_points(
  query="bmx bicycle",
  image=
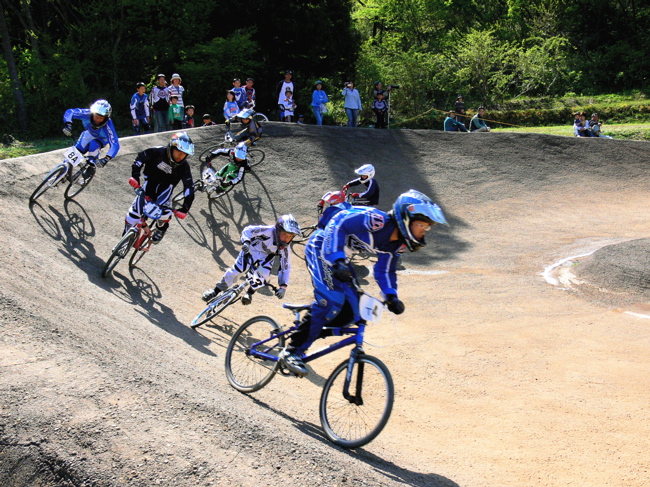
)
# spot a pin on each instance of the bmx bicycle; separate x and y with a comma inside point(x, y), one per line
point(71, 169)
point(357, 398)
point(137, 237)
point(253, 279)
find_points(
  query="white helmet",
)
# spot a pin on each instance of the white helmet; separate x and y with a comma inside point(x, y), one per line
point(366, 170)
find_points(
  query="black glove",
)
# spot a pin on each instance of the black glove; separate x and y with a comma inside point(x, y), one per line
point(102, 162)
point(246, 247)
point(394, 305)
point(67, 130)
point(342, 271)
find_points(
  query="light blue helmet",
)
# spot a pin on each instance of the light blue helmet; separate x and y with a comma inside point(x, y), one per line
point(415, 206)
point(183, 143)
point(103, 109)
point(241, 150)
point(246, 113)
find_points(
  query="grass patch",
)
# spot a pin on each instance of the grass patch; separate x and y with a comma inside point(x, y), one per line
point(19, 149)
point(639, 131)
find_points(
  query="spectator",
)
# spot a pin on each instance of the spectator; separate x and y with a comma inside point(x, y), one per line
point(240, 92)
point(380, 107)
point(207, 120)
point(249, 94)
point(176, 89)
point(460, 109)
point(301, 119)
point(281, 90)
point(580, 125)
point(160, 103)
point(318, 100)
point(175, 114)
point(230, 107)
point(594, 125)
point(289, 106)
point(188, 119)
point(352, 103)
point(453, 125)
point(477, 123)
point(379, 87)
point(140, 110)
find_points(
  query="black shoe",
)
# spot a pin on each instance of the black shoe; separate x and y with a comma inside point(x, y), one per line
point(157, 236)
point(246, 299)
point(210, 294)
point(294, 363)
point(88, 172)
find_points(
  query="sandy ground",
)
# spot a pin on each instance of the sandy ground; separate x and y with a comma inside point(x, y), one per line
point(516, 363)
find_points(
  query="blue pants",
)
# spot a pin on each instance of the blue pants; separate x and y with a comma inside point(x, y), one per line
point(317, 114)
point(143, 126)
point(161, 121)
point(352, 114)
point(89, 145)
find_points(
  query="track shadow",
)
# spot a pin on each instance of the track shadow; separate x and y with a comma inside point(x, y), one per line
point(398, 474)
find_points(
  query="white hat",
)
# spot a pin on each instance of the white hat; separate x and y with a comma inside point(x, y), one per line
point(175, 76)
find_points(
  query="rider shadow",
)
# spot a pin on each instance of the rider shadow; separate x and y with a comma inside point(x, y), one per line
point(191, 226)
point(224, 329)
point(399, 474)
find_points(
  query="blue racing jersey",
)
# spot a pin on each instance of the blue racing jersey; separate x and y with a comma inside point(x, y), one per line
point(139, 106)
point(365, 229)
point(106, 134)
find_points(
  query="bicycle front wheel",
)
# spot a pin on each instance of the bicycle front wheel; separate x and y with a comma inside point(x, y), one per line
point(306, 233)
point(255, 157)
point(78, 183)
point(220, 303)
point(357, 420)
point(139, 253)
point(49, 181)
point(246, 372)
point(120, 251)
point(220, 191)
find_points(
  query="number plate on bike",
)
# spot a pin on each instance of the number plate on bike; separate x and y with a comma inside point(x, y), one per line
point(152, 210)
point(255, 280)
point(370, 309)
point(73, 156)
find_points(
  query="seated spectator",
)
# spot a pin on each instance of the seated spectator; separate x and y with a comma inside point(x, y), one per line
point(477, 123)
point(580, 125)
point(207, 120)
point(301, 119)
point(594, 125)
point(453, 125)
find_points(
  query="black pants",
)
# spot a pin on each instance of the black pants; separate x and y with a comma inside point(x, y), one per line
point(381, 120)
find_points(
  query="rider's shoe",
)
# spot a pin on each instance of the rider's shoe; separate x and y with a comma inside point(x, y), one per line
point(159, 233)
point(210, 294)
point(247, 299)
point(88, 172)
point(294, 363)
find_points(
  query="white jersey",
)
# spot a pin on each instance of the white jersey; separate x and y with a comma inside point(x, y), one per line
point(264, 248)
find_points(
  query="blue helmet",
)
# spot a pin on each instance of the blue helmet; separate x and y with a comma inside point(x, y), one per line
point(415, 206)
point(183, 143)
point(240, 151)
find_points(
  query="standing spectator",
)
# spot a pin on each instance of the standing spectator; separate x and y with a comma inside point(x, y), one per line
point(188, 119)
point(380, 107)
point(207, 120)
point(289, 106)
point(176, 89)
point(318, 100)
point(281, 90)
point(239, 91)
point(140, 110)
point(460, 109)
point(230, 107)
point(379, 87)
point(453, 125)
point(477, 123)
point(160, 103)
point(175, 114)
point(352, 103)
point(249, 94)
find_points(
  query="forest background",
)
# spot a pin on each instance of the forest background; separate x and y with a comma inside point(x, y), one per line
point(530, 63)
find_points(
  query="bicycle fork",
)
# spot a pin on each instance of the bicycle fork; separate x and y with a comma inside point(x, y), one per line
point(355, 399)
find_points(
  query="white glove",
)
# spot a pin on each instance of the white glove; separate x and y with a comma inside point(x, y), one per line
point(280, 292)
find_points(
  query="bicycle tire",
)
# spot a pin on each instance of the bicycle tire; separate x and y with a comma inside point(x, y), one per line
point(49, 181)
point(351, 425)
point(306, 233)
point(260, 117)
point(139, 253)
point(75, 188)
point(119, 251)
point(220, 303)
point(207, 151)
point(177, 199)
point(213, 195)
point(255, 157)
point(245, 372)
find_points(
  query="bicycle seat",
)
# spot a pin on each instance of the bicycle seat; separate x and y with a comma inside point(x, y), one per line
point(296, 307)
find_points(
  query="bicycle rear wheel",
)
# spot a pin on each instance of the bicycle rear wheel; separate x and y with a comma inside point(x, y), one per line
point(220, 303)
point(255, 157)
point(140, 252)
point(356, 421)
point(77, 182)
point(49, 181)
point(260, 117)
point(120, 251)
point(220, 191)
point(306, 233)
point(244, 371)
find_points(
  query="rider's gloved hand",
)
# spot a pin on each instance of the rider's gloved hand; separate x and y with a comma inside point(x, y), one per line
point(67, 130)
point(394, 305)
point(342, 271)
point(134, 182)
point(355, 195)
point(102, 162)
point(246, 247)
point(345, 188)
point(280, 292)
point(180, 214)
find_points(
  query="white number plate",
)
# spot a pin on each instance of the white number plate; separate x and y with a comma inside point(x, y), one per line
point(73, 156)
point(255, 280)
point(370, 309)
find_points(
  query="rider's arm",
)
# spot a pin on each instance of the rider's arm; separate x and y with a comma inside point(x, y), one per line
point(342, 225)
point(139, 163)
point(284, 271)
point(354, 182)
point(384, 272)
point(134, 105)
point(75, 113)
point(112, 140)
point(188, 184)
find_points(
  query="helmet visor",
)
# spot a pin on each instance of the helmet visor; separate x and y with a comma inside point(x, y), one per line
point(430, 213)
point(185, 145)
point(241, 152)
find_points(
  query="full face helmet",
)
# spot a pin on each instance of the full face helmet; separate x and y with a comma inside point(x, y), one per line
point(415, 206)
point(246, 113)
point(366, 170)
point(241, 151)
point(103, 109)
point(288, 224)
point(330, 198)
point(183, 143)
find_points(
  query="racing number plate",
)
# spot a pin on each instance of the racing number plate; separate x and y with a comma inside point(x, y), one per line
point(73, 156)
point(370, 308)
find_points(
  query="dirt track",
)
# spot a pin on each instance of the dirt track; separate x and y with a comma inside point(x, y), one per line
point(502, 379)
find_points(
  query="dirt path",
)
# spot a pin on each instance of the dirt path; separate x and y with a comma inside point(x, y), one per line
point(502, 379)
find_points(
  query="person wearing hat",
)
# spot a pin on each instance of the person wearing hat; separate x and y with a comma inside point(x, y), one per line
point(460, 109)
point(281, 90)
point(140, 110)
point(160, 104)
point(318, 100)
point(176, 89)
point(289, 106)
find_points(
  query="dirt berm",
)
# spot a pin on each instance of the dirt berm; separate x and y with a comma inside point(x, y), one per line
point(512, 366)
